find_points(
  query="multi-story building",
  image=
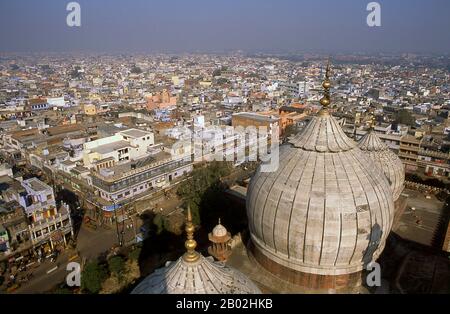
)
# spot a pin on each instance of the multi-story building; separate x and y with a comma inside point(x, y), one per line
point(291, 115)
point(433, 163)
point(48, 225)
point(161, 100)
point(123, 146)
point(130, 179)
point(246, 119)
point(14, 233)
point(295, 89)
point(38, 104)
point(408, 152)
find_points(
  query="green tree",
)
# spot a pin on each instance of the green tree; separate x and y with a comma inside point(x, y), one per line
point(193, 191)
point(116, 265)
point(403, 116)
point(136, 70)
point(75, 73)
point(92, 277)
point(134, 255)
point(222, 81)
point(158, 221)
point(62, 290)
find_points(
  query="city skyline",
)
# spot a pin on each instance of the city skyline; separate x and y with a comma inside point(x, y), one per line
point(203, 27)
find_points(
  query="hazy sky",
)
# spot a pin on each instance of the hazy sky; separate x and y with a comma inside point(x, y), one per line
point(225, 25)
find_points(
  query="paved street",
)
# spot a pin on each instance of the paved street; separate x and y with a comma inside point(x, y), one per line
point(43, 281)
point(90, 245)
point(419, 225)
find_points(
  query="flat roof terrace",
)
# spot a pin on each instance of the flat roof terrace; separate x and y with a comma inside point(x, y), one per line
point(36, 185)
point(135, 133)
point(107, 148)
point(123, 170)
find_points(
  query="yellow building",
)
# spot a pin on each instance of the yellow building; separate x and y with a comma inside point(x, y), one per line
point(90, 110)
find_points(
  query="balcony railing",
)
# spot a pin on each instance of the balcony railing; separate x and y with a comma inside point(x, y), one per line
point(46, 236)
point(415, 148)
point(46, 222)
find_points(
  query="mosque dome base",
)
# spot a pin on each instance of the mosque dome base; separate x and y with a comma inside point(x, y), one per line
point(306, 280)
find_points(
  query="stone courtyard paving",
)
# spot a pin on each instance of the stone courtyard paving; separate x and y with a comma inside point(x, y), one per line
point(419, 225)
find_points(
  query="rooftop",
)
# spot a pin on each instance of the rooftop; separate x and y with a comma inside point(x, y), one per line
point(80, 170)
point(36, 185)
point(137, 165)
point(135, 133)
point(107, 148)
point(256, 116)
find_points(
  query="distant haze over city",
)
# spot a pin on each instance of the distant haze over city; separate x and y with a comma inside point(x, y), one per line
point(180, 26)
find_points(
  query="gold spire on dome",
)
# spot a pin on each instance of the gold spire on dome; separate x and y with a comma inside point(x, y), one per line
point(325, 101)
point(373, 122)
point(191, 255)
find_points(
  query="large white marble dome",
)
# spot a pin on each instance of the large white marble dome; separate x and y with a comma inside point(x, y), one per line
point(327, 210)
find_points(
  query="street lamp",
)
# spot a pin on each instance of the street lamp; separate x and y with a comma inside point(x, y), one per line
point(117, 222)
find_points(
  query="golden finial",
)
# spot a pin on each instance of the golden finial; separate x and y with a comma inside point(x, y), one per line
point(325, 101)
point(191, 255)
point(373, 122)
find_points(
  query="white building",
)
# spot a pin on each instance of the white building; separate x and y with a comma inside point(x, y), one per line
point(47, 223)
point(6, 170)
point(56, 102)
point(123, 146)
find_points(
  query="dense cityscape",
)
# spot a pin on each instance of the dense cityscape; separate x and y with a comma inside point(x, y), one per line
point(91, 172)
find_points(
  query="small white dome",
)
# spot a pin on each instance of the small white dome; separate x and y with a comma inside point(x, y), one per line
point(219, 231)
